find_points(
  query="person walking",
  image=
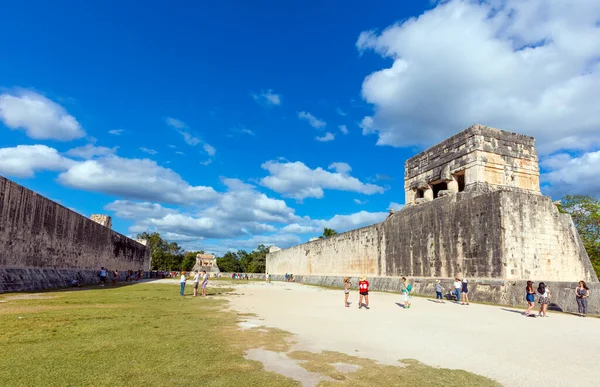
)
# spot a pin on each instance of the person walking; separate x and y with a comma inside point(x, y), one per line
point(543, 294)
point(182, 283)
point(438, 292)
point(363, 291)
point(196, 282)
point(582, 293)
point(102, 274)
point(465, 292)
point(457, 289)
point(405, 293)
point(346, 292)
point(530, 297)
point(204, 282)
point(115, 277)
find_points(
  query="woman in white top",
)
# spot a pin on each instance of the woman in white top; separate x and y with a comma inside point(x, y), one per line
point(182, 282)
point(196, 281)
point(543, 294)
point(204, 282)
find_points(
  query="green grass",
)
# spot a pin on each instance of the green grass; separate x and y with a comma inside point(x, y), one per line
point(144, 334)
point(147, 335)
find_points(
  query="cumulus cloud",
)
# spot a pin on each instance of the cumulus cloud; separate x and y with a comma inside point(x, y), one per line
point(572, 175)
point(530, 67)
point(395, 206)
point(325, 138)
point(210, 150)
point(267, 98)
point(296, 180)
point(342, 223)
point(312, 120)
point(149, 151)
point(343, 129)
point(128, 209)
point(89, 151)
point(141, 179)
point(25, 160)
point(189, 138)
point(40, 117)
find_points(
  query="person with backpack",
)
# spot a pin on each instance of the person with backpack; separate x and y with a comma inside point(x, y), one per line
point(406, 289)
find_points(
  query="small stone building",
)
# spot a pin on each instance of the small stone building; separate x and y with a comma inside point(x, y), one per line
point(206, 262)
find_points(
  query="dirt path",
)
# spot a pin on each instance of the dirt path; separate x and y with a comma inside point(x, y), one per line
point(561, 350)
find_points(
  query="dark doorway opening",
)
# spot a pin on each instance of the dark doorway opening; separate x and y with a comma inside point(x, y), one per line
point(460, 179)
point(438, 187)
point(420, 193)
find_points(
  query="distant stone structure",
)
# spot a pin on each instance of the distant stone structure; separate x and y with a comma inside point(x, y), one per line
point(104, 220)
point(44, 244)
point(206, 262)
point(473, 209)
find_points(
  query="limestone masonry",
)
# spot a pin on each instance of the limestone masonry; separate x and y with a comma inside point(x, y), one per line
point(473, 209)
point(206, 262)
point(43, 244)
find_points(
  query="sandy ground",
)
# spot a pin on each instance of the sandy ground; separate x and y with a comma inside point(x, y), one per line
point(498, 342)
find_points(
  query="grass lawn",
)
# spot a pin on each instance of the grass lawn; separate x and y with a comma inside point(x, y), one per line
point(147, 335)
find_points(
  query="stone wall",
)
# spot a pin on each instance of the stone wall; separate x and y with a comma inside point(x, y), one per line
point(510, 234)
point(480, 290)
point(37, 233)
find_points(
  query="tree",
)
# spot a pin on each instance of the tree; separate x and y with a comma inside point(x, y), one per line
point(259, 259)
point(229, 263)
point(327, 232)
point(585, 211)
point(189, 260)
point(158, 250)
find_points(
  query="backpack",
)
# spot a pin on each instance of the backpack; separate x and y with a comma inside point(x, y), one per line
point(409, 288)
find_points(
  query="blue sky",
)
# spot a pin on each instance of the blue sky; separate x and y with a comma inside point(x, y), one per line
point(228, 124)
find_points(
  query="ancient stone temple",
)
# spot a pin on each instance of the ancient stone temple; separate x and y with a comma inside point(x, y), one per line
point(206, 262)
point(473, 209)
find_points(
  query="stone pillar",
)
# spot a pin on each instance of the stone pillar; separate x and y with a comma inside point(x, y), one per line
point(452, 185)
point(428, 195)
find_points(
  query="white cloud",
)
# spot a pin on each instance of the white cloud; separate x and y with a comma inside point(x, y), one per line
point(327, 137)
point(180, 153)
point(340, 167)
point(128, 209)
point(189, 138)
point(395, 206)
point(341, 112)
point(296, 228)
point(141, 179)
point(247, 131)
point(312, 120)
point(209, 149)
point(530, 67)
point(175, 123)
point(342, 223)
point(25, 160)
point(89, 151)
point(40, 117)
point(343, 129)
point(360, 202)
point(116, 132)
point(572, 175)
point(296, 180)
point(267, 98)
point(149, 151)
point(207, 162)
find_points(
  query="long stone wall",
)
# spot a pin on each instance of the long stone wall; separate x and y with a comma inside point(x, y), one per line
point(505, 234)
point(41, 235)
point(480, 290)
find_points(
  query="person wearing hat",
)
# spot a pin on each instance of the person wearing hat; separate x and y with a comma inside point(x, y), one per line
point(438, 292)
point(363, 290)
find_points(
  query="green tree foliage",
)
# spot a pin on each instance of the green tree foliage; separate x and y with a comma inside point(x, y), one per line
point(189, 260)
point(585, 211)
point(327, 232)
point(164, 255)
point(243, 261)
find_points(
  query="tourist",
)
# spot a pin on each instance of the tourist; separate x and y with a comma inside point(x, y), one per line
point(405, 293)
point(75, 283)
point(102, 274)
point(530, 297)
point(438, 292)
point(204, 282)
point(457, 288)
point(182, 282)
point(115, 277)
point(465, 292)
point(346, 291)
point(363, 291)
point(543, 293)
point(196, 282)
point(582, 293)
point(286, 277)
point(268, 278)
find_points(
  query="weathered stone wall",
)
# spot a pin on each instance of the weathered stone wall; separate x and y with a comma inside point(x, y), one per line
point(508, 234)
point(37, 233)
point(480, 290)
point(350, 253)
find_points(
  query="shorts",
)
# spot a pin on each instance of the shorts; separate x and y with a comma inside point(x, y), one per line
point(544, 300)
point(530, 298)
point(102, 278)
point(405, 296)
point(346, 292)
point(364, 293)
point(204, 285)
point(438, 296)
point(464, 291)
point(195, 285)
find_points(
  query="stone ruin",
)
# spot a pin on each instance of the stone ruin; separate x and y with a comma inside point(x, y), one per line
point(206, 262)
point(474, 210)
point(104, 220)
